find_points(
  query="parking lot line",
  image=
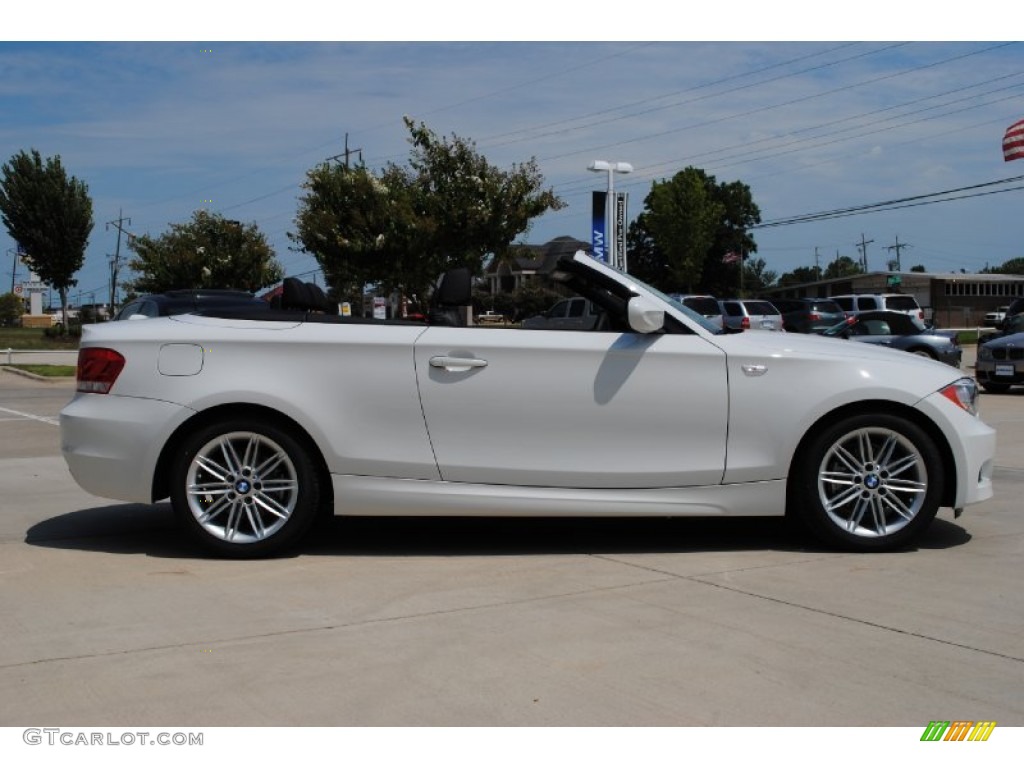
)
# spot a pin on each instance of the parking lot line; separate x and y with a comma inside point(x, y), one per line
point(34, 417)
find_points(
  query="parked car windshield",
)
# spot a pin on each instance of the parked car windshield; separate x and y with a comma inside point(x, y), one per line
point(760, 308)
point(902, 303)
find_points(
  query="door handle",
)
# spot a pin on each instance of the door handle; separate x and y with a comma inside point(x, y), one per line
point(456, 364)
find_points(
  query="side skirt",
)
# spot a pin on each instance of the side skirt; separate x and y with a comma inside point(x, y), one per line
point(376, 496)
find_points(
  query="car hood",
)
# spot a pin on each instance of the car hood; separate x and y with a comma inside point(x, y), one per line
point(865, 360)
point(1013, 340)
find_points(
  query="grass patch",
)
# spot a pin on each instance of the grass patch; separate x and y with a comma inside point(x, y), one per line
point(32, 338)
point(47, 370)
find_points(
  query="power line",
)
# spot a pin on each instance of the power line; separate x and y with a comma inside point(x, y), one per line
point(888, 205)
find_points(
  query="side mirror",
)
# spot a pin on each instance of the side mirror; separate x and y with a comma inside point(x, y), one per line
point(644, 315)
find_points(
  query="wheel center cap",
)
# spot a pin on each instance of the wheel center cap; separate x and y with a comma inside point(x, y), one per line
point(243, 486)
point(871, 482)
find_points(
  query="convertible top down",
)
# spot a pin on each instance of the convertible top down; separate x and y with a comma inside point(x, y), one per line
point(251, 421)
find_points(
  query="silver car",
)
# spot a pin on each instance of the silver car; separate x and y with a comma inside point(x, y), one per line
point(751, 315)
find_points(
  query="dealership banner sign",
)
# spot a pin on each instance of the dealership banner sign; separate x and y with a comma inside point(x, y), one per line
point(598, 241)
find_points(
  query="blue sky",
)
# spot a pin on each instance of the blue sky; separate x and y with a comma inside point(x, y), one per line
point(159, 129)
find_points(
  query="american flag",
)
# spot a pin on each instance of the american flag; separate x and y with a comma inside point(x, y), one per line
point(732, 257)
point(1013, 141)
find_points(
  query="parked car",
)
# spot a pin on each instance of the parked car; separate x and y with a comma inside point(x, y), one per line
point(183, 301)
point(900, 331)
point(706, 306)
point(1000, 363)
point(574, 314)
point(1016, 308)
point(660, 414)
point(855, 303)
point(995, 318)
point(750, 314)
point(809, 315)
point(1011, 325)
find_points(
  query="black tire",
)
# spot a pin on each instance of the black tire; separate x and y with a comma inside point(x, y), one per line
point(996, 388)
point(868, 483)
point(244, 489)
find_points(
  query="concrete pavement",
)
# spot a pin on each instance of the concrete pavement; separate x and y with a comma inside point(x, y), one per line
point(111, 617)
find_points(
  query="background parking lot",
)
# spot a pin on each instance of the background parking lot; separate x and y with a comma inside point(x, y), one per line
point(111, 617)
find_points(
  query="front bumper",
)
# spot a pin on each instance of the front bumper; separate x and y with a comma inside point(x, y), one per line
point(111, 444)
point(973, 445)
point(999, 371)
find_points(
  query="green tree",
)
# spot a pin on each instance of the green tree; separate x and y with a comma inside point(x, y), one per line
point(843, 266)
point(402, 226)
point(207, 252)
point(11, 309)
point(682, 218)
point(800, 275)
point(362, 228)
point(918, 268)
point(732, 236)
point(688, 224)
point(645, 259)
point(756, 277)
point(1011, 267)
point(49, 215)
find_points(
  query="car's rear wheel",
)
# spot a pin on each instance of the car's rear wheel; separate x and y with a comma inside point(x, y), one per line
point(244, 490)
point(996, 388)
point(869, 482)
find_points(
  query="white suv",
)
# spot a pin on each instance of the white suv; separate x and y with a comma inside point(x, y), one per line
point(855, 303)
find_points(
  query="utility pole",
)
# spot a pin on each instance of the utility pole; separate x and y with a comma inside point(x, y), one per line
point(14, 265)
point(347, 153)
point(898, 247)
point(863, 248)
point(115, 262)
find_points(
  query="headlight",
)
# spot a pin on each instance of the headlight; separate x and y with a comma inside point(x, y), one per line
point(964, 393)
point(984, 353)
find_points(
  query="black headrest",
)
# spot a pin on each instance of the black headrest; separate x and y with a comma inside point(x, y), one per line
point(307, 297)
point(455, 288)
point(294, 294)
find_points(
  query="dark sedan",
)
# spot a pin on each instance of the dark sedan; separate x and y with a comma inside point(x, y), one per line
point(809, 315)
point(1000, 363)
point(900, 331)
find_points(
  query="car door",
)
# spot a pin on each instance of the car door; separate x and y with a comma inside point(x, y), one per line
point(573, 409)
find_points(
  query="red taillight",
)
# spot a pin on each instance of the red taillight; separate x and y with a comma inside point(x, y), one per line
point(98, 369)
point(815, 317)
point(745, 324)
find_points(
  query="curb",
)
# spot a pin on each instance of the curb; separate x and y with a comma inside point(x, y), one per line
point(35, 376)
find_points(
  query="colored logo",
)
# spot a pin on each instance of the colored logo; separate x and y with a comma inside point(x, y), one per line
point(958, 730)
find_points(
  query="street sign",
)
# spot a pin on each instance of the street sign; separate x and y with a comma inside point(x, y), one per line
point(19, 290)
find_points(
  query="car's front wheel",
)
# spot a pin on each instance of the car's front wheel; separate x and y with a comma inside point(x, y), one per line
point(244, 490)
point(869, 482)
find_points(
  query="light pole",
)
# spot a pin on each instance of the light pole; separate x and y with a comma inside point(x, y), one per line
point(610, 207)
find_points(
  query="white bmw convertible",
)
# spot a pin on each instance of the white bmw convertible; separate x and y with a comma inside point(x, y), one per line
point(252, 421)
